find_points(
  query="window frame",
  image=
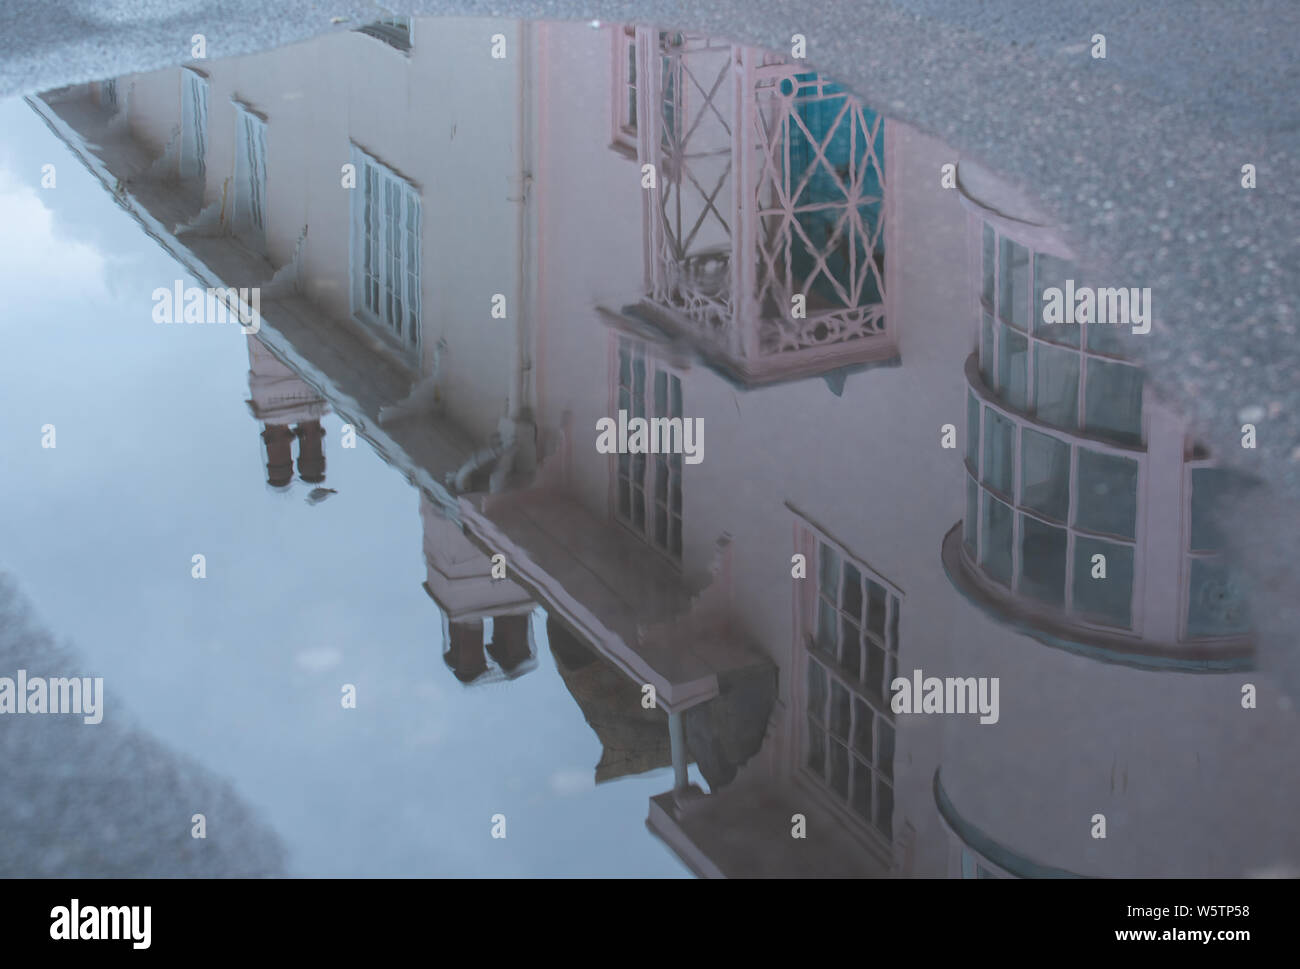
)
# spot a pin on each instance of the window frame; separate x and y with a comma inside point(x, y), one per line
point(625, 58)
point(809, 539)
point(1000, 324)
point(648, 485)
point(250, 182)
point(409, 256)
point(194, 124)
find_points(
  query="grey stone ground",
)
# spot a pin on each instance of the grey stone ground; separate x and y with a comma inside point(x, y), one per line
point(1138, 154)
point(108, 799)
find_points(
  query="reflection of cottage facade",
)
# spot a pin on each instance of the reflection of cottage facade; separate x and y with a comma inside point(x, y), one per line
point(465, 257)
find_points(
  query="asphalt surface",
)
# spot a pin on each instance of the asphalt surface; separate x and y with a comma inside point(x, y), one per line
point(1139, 155)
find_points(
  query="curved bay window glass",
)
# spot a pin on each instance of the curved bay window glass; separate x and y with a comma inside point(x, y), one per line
point(1040, 508)
point(1068, 375)
point(1215, 604)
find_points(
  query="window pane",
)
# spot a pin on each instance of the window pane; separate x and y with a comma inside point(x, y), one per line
point(862, 790)
point(862, 733)
point(851, 598)
point(1209, 487)
point(1050, 272)
point(972, 431)
point(839, 722)
point(850, 648)
point(986, 351)
point(1042, 558)
point(1107, 600)
point(828, 571)
point(1056, 386)
point(876, 609)
point(1107, 493)
point(1113, 399)
point(1044, 474)
point(1216, 602)
point(827, 626)
point(1013, 368)
point(1104, 338)
point(885, 749)
point(999, 439)
point(971, 525)
point(1013, 265)
point(884, 808)
point(996, 527)
point(839, 777)
point(816, 692)
point(986, 292)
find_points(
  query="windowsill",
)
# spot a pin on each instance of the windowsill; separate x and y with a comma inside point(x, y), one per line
point(406, 358)
point(627, 151)
point(1024, 616)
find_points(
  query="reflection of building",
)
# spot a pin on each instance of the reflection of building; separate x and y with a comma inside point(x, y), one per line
point(460, 581)
point(770, 188)
point(1088, 532)
point(288, 410)
point(771, 672)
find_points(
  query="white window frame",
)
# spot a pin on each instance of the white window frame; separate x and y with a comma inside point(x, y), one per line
point(250, 176)
point(1192, 555)
point(999, 322)
point(644, 488)
point(625, 74)
point(194, 123)
point(810, 540)
point(393, 252)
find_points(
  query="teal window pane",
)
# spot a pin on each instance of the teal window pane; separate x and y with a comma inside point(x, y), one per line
point(986, 351)
point(1108, 600)
point(972, 431)
point(1045, 474)
point(1216, 601)
point(1049, 273)
point(1210, 486)
point(996, 527)
point(1114, 401)
point(1056, 386)
point(1042, 561)
point(1107, 494)
point(1013, 298)
point(1013, 368)
point(971, 525)
point(999, 450)
point(986, 292)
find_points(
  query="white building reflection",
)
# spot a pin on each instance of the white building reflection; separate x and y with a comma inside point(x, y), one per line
point(487, 185)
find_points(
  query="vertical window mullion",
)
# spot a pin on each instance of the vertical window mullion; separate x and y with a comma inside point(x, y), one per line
point(1071, 512)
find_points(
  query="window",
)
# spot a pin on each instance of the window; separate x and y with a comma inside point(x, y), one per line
point(194, 124)
point(1066, 375)
point(624, 113)
point(250, 177)
point(1216, 604)
point(648, 487)
point(852, 658)
point(393, 30)
point(386, 233)
point(1039, 507)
